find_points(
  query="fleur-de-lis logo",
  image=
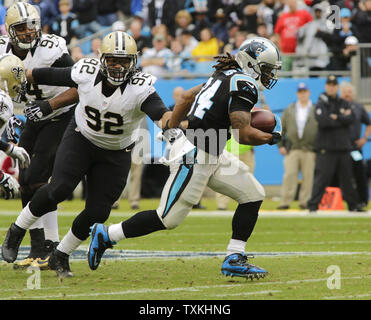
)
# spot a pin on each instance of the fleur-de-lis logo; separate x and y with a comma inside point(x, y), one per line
point(18, 73)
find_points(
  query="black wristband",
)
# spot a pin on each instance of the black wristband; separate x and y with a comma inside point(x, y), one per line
point(4, 146)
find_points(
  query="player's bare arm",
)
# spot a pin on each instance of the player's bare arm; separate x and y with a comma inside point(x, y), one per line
point(240, 120)
point(182, 108)
point(66, 98)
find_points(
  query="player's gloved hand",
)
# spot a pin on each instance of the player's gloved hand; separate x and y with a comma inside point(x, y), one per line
point(9, 185)
point(35, 110)
point(20, 154)
point(277, 131)
point(11, 133)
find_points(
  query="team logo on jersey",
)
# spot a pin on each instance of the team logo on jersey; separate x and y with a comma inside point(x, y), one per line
point(254, 49)
point(18, 73)
point(3, 107)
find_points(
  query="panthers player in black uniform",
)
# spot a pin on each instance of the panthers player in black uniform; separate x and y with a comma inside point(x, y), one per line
point(225, 100)
point(39, 139)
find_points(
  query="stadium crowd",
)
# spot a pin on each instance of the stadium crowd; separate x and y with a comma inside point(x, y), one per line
point(184, 35)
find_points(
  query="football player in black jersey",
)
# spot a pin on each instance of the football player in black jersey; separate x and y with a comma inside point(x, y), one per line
point(224, 101)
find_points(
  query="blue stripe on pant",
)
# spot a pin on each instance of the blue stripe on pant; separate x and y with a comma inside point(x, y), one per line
point(177, 187)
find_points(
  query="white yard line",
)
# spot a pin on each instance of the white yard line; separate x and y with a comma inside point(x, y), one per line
point(262, 214)
point(357, 296)
point(244, 293)
point(185, 289)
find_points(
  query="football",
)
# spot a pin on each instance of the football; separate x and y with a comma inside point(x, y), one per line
point(263, 120)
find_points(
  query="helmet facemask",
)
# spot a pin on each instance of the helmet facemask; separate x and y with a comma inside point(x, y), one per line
point(268, 74)
point(118, 75)
point(28, 36)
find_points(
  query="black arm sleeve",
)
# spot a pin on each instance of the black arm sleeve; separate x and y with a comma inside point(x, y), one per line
point(64, 61)
point(3, 146)
point(154, 107)
point(54, 77)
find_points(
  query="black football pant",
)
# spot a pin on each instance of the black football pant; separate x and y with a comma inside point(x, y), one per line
point(106, 173)
point(327, 166)
point(360, 175)
point(41, 140)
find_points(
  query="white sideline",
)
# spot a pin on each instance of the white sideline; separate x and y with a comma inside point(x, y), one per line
point(193, 289)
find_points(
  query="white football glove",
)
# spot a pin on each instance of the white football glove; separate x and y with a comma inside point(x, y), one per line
point(9, 185)
point(177, 145)
point(20, 154)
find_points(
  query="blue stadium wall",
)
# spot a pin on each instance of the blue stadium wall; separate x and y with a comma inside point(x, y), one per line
point(269, 163)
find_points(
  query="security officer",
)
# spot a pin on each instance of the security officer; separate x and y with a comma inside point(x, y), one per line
point(333, 145)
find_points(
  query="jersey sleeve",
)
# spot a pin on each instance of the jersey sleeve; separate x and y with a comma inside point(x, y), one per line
point(144, 85)
point(84, 69)
point(244, 93)
point(52, 48)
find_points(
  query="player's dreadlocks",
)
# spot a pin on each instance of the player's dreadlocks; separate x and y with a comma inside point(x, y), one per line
point(225, 62)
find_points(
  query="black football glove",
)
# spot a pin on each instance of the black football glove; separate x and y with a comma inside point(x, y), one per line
point(11, 133)
point(37, 109)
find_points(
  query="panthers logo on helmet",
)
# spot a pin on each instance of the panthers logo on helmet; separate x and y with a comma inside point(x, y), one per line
point(254, 49)
point(18, 73)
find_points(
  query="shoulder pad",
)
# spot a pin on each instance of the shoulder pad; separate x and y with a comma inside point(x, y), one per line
point(142, 79)
point(51, 47)
point(85, 69)
point(244, 87)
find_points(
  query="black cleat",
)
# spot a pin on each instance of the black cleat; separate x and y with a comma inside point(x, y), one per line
point(13, 239)
point(58, 261)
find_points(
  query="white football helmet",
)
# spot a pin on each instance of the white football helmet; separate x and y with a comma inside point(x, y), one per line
point(259, 57)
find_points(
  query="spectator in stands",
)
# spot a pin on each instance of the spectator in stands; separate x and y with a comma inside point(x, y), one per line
point(154, 60)
point(107, 12)
point(183, 21)
point(207, 48)
point(362, 21)
point(161, 29)
point(336, 41)
point(262, 30)
point(265, 15)
point(249, 9)
point(95, 48)
point(299, 129)
point(287, 26)
point(135, 30)
point(219, 28)
point(87, 13)
point(189, 42)
point(201, 22)
point(308, 43)
point(361, 117)
point(236, 42)
point(178, 64)
point(66, 23)
point(48, 13)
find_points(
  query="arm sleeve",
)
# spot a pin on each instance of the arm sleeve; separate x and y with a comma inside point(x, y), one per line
point(64, 61)
point(54, 77)
point(154, 107)
point(3, 146)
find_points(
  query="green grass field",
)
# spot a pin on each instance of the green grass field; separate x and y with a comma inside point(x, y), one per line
point(299, 252)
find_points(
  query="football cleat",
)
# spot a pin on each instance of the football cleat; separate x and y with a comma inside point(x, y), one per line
point(236, 265)
point(59, 262)
point(13, 239)
point(24, 264)
point(43, 263)
point(99, 242)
